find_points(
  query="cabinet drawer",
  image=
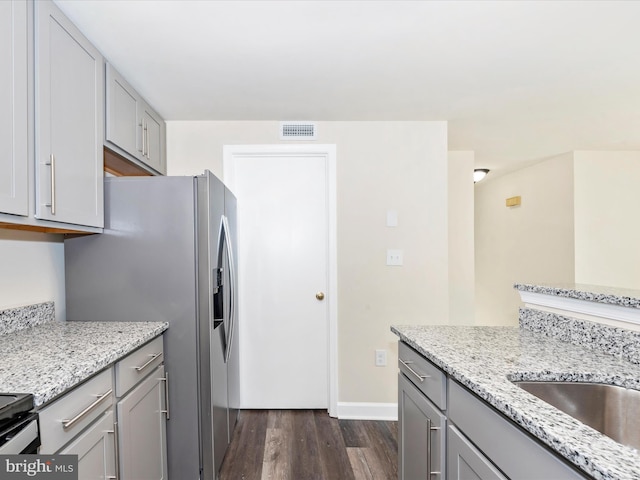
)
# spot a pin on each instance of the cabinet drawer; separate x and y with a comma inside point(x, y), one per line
point(423, 374)
point(137, 365)
point(61, 421)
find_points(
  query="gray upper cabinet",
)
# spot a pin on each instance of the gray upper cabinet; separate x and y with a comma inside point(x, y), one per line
point(69, 111)
point(154, 140)
point(123, 107)
point(133, 128)
point(14, 141)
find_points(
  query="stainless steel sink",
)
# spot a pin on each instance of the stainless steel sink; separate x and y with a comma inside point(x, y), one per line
point(612, 410)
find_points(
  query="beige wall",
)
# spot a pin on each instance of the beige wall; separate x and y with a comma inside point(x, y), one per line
point(461, 231)
point(380, 166)
point(31, 270)
point(532, 243)
point(607, 197)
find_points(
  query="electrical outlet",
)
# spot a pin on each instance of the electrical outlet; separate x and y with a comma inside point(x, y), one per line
point(394, 257)
point(381, 358)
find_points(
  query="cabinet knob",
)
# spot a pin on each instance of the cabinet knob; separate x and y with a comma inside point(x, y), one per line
point(320, 296)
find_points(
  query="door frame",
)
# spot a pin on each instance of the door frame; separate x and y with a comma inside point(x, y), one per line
point(327, 151)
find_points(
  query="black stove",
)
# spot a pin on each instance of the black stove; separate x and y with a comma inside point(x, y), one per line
point(14, 406)
point(18, 424)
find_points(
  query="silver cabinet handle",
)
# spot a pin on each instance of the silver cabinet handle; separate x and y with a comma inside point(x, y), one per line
point(67, 424)
point(429, 446)
point(116, 446)
point(430, 428)
point(146, 143)
point(148, 362)
point(165, 379)
point(52, 164)
point(53, 184)
point(141, 149)
point(407, 363)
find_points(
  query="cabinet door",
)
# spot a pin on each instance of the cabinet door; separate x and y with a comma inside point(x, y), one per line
point(122, 119)
point(14, 186)
point(95, 449)
point(421, 435)
point(142, 430)
point(153, 145)
point(69, 121)
point(466, 462)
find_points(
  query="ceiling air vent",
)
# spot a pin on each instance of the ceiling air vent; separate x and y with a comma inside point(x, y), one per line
point(297, 131)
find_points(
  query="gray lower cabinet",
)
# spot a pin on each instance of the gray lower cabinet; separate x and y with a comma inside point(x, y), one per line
point(115, 421)
point(133, 128)
point(465, 461)
point(421, 434)
point(95, 448)
point(142, 436)
point(142, 413)
point(14, 141)
point(447, 432)
point(69, 116)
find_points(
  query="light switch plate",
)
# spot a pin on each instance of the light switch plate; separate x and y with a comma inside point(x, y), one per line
point(381, 358)
point(394, 257)
point(392, 218)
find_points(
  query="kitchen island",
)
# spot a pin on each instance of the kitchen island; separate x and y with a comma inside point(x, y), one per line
point(545, 347)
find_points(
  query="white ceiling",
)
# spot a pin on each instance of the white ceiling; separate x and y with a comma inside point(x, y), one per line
point(517, 80)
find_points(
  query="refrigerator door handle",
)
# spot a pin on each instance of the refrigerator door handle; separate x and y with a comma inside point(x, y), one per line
point(232, 292)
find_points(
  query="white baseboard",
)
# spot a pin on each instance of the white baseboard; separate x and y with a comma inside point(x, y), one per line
point(367, 411)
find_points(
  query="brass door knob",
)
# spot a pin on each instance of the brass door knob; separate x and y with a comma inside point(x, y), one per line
point(320, 296)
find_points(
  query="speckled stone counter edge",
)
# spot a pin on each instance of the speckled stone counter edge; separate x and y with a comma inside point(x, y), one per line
point(78, 351)
point(591, 293)
point(466, 355)
point(594, 336)
point(14, 319)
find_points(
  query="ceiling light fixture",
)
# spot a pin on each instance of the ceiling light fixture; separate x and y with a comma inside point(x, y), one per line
point(479, 174)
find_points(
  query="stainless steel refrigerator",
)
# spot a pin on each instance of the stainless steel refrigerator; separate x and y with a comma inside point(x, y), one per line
point(167, 254)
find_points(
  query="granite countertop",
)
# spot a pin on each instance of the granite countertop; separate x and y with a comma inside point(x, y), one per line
point(623, 297)
point(48, 358)
point(487, 359)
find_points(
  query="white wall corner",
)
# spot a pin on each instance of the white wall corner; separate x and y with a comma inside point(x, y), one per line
point(461, 237)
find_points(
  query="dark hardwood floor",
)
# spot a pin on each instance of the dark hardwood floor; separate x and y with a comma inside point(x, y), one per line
point(310, 445)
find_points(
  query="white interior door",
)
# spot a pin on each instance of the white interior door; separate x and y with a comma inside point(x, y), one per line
point(283, 263)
